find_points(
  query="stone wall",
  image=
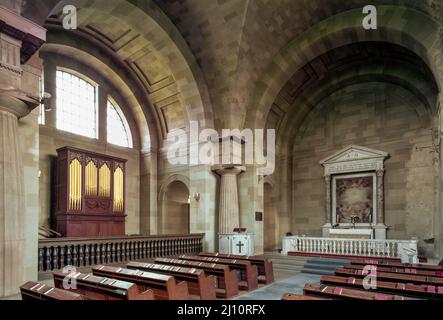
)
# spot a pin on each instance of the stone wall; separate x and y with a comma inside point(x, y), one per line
point(379, 116)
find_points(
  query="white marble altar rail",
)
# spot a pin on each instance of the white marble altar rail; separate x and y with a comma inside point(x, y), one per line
point(406, 250)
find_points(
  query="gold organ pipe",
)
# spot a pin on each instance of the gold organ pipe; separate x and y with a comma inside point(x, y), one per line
point(75, 185)
point(105, 181)
point(91, 179)
point(118, 190)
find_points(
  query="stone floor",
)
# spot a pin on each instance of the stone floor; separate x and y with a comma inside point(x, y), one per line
point(276, 290)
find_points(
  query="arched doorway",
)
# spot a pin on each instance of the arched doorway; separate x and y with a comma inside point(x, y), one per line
point(271, 227)
point(175, 209)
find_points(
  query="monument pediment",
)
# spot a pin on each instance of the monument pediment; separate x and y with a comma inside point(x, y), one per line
point(352, 153)
point(354, 159)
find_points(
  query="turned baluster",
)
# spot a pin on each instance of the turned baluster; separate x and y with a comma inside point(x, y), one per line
point(62, 257)
point(156, 248)
point(93, 254)
point(99, 253)
point(55, 259)
point(112, 249)
point(125, 251)
point(81, 258)
point(40, 260)
point(87, 256)
point(75, 256)
point(143, 250)
point(108, 253)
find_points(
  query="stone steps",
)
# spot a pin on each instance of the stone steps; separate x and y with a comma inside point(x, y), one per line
point(290, 265)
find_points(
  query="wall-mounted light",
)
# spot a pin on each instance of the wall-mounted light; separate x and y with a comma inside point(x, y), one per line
point(197, 197)
point(45, 101)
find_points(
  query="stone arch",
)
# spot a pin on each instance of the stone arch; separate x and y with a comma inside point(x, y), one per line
point(420, 34)
point(174, 208)
point(175, 85)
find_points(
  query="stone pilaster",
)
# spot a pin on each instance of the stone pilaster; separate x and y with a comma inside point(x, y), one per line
point(229, 214)
point(328, 199)
point(380, 197)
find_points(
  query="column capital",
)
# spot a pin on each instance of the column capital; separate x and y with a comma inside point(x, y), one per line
point(17, 102)
point(380, 172)
point(222, 170)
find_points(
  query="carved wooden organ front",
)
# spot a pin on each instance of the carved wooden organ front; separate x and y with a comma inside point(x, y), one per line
point(90, 194)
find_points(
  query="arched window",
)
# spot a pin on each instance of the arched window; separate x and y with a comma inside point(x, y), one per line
point(118, 128)
point(76, 104)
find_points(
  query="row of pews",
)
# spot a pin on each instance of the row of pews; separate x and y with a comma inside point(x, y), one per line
point(394, 281)
point(207, 276)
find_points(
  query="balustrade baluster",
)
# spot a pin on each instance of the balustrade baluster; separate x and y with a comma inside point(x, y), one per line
point(87, 255)
point(40, 260)
point(55, 258)
point(49, 258)
point(93, 254)
point(75, 256)
point(81, 258)
point(62, 257)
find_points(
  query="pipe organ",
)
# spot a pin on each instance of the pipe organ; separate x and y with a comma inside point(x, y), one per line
point(90, 194)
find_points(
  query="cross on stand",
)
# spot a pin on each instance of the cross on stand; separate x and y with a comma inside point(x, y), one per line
point(240, 245)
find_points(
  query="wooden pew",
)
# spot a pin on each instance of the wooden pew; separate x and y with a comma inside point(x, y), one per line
point(419, 266)
point(163, 286)
point(227, 282)
point(393, 277)
point(403, 289)
point(429, 273)
point(199, 283)
point(247, 273)
point(299, 297)
point(37, 291)
point(320, 290)
point(264, 266)
point(100, 288)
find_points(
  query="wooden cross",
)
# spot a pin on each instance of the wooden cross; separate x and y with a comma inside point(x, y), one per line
point(240, 245)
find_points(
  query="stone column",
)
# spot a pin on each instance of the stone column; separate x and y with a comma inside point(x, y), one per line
point(380, 197)
point(12, 197)
point(229, 213)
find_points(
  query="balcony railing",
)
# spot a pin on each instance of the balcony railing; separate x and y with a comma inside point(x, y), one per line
point(55, 254)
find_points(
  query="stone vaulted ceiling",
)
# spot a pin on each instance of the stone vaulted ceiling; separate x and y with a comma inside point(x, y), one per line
point(235, 40)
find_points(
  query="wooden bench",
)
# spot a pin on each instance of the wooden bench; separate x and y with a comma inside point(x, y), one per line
point(321, 290)
point(37, 291)
point(100, 288)
point(299, 297)
point(404, 289)
point(264, 266)
point(393, 277)
point(247, 273)
point(227, 283)
point(163, 286)
point(430, 273)
point(198, 283)
point(397, 265)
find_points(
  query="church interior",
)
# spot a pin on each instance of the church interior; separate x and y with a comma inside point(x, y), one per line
point(275, 148)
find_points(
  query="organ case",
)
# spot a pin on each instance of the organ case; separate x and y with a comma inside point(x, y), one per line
point(90, 194)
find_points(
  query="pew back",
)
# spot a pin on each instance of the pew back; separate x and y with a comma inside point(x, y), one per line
point(265, 268)
point(198, 283)
point(247, 273)
point(164, 287)
point(37, 291)
point(100, 288)
point(227, 282)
